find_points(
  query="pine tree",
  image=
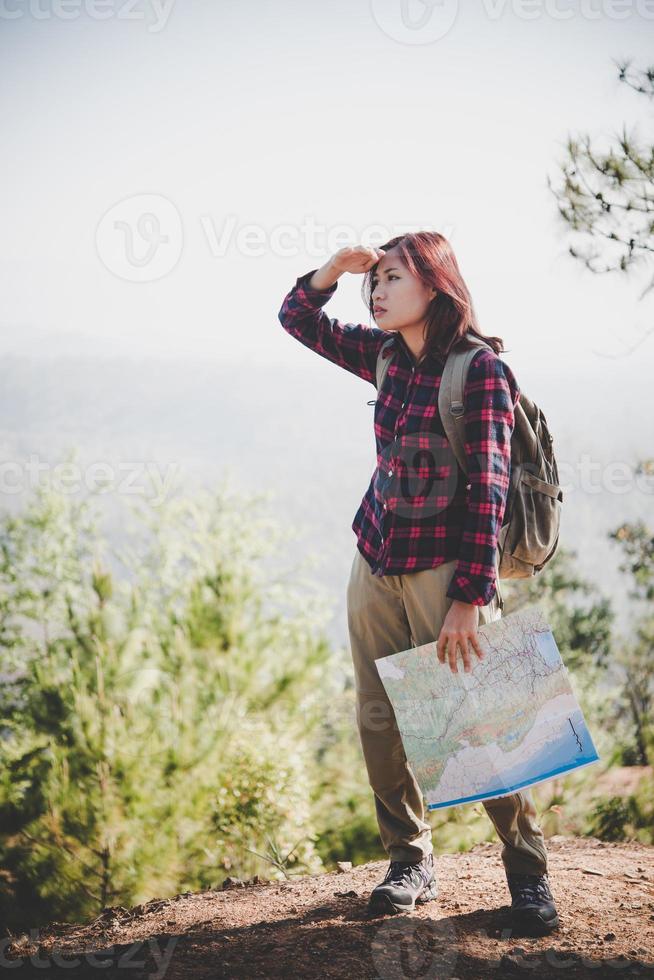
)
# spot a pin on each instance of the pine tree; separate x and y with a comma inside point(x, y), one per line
point(606, 196)
point(160, 708)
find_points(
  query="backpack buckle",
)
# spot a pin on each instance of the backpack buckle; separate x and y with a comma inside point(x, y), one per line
point(456, 409)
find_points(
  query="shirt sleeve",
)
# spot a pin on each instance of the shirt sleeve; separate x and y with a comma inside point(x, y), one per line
point(352, 346)
point(490, 396)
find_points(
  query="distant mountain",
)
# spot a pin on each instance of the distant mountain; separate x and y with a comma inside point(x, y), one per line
point(307, 436)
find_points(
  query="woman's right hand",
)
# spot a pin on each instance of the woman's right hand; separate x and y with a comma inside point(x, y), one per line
point(352, 258)
point(356, 258)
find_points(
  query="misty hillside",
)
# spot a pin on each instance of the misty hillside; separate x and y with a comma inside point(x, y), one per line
point(307, 437)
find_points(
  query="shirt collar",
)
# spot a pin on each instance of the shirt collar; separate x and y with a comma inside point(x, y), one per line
point(400, 342)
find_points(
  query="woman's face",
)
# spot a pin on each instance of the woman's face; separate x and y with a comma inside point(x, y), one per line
point(400, 299)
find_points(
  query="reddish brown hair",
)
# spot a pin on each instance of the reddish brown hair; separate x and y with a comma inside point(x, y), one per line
point(450, 315)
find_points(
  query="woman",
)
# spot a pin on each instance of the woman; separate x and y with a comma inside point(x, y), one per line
point(425, 565)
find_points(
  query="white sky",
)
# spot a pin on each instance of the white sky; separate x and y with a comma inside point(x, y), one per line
point(270, 113)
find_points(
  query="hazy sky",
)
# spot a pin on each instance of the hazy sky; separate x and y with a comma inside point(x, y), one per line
point(142, 139)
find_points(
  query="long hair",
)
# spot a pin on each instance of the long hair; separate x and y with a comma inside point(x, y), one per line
point(450, 315)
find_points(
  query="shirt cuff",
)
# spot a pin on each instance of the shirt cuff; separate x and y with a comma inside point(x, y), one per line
point(303, 284)
point(477, 592)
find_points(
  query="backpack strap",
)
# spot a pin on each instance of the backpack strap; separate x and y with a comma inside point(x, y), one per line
point(383, 363)
point(450, 398)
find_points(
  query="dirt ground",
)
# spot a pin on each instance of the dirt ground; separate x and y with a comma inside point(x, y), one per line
point(317, 926)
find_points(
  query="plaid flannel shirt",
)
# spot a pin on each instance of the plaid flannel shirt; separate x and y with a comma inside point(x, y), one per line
point(420, 510)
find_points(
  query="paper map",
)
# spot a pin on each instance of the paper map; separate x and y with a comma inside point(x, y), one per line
point(511, 722)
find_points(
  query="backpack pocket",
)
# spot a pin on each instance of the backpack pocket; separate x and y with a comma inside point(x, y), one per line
point(535, 519)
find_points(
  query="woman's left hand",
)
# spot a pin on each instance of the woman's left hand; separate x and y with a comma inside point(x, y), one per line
point(459, 629)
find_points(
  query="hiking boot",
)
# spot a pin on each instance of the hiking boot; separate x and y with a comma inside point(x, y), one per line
point(404, 886)
point(533, 911)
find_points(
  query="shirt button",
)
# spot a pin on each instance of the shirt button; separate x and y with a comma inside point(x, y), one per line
point(390, 472)
point(384, 506)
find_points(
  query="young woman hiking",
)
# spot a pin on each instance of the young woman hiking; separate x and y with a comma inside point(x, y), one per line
point(425, 563)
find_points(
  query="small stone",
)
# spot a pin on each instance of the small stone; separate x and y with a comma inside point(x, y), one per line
point(609, 937)
point(344, 866)
point(511, 960)
point(233, 883)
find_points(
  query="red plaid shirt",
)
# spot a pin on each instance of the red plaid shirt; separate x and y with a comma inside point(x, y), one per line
point(420, 509)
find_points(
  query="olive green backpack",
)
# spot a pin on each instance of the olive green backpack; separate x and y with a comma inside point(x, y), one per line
point(529, 535)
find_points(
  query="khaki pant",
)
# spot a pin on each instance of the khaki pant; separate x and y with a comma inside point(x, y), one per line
point(392, 613)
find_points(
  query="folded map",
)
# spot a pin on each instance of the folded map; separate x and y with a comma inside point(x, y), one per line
point(510, 722)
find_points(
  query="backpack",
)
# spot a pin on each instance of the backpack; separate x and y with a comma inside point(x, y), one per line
point(529, 535)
